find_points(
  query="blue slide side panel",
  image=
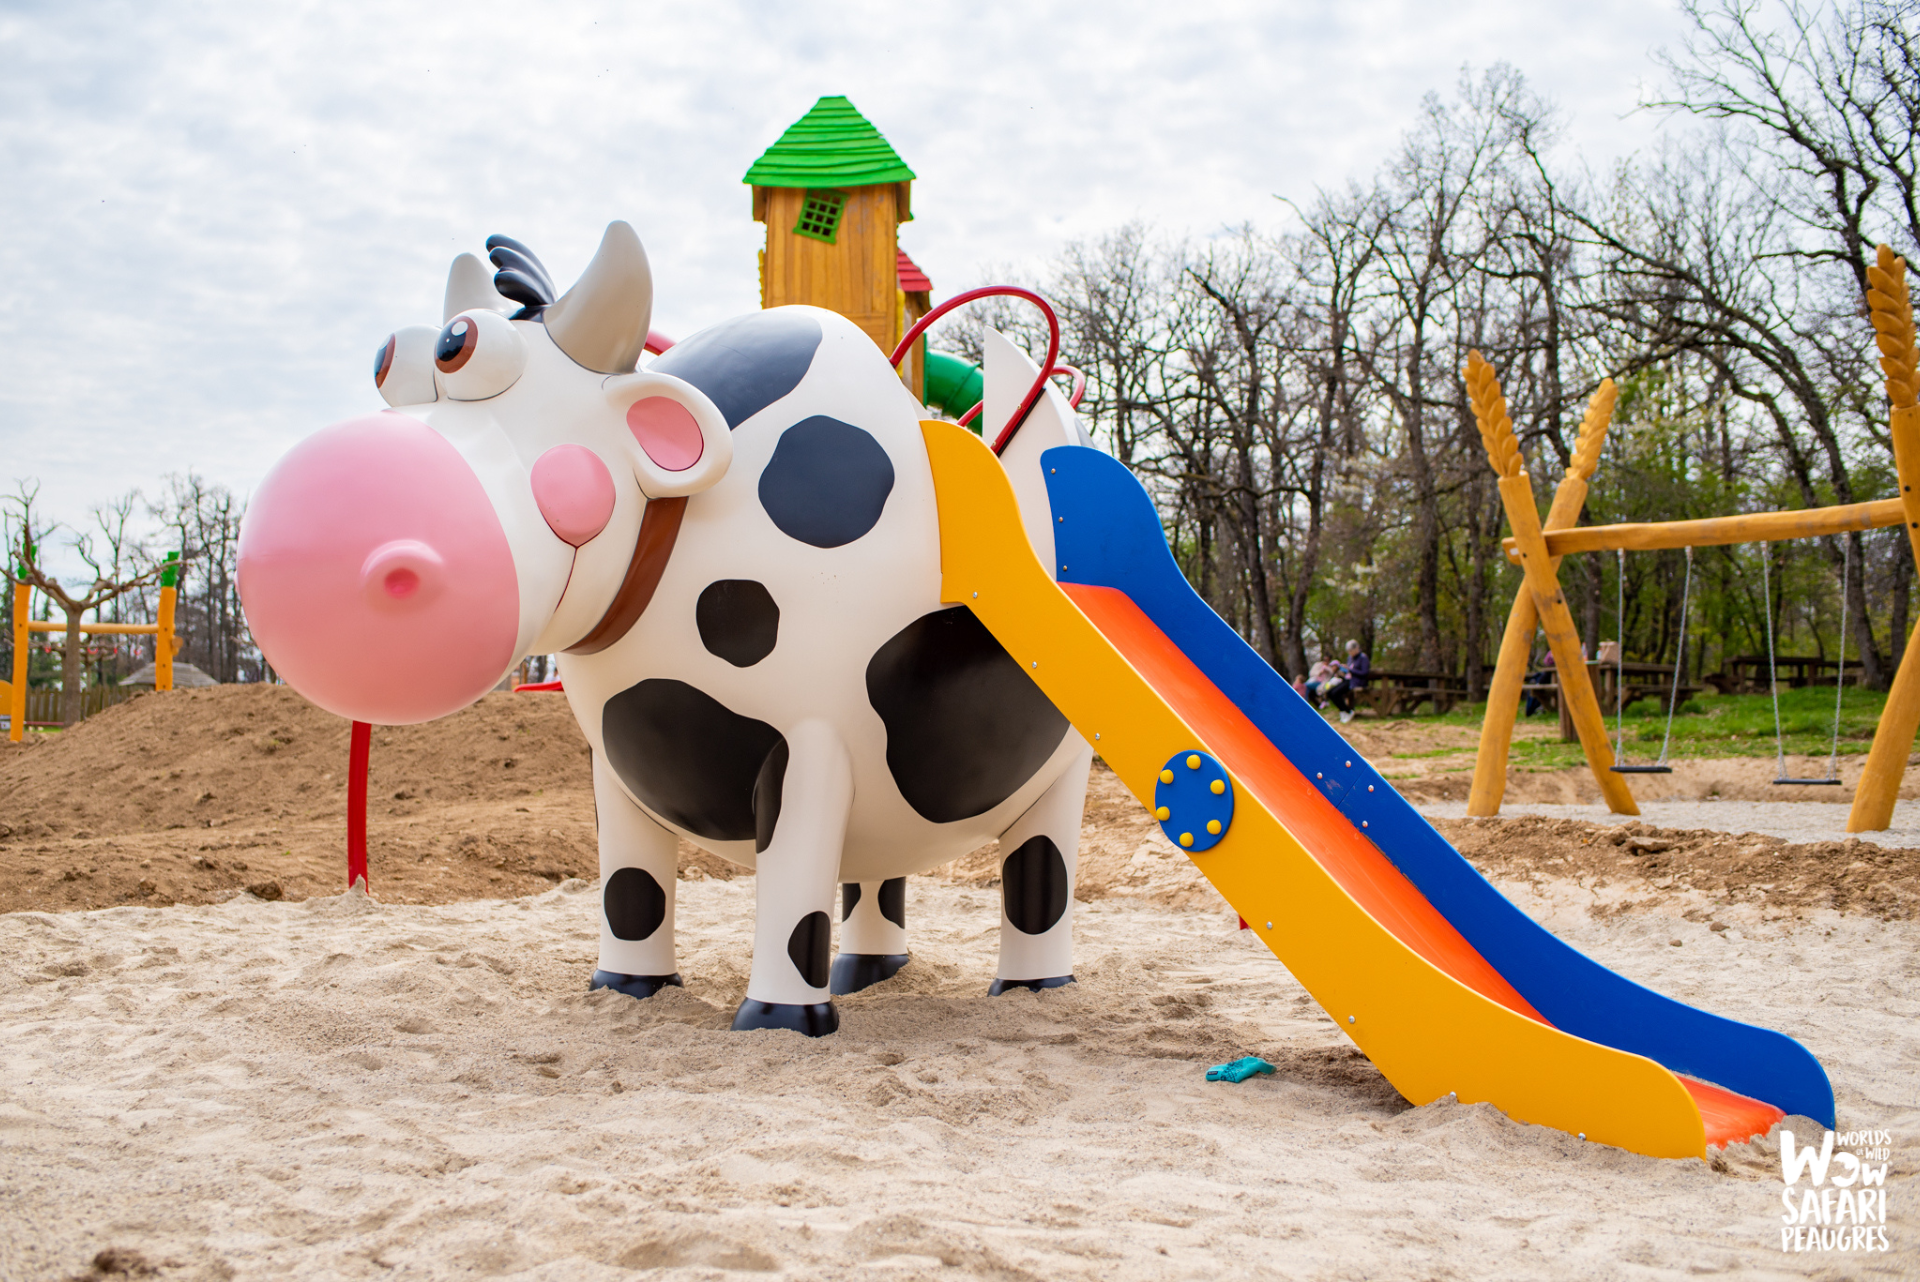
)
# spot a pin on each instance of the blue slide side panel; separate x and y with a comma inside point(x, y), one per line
point(1108, 534)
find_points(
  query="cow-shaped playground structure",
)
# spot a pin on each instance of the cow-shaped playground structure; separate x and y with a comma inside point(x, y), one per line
point(736, 554)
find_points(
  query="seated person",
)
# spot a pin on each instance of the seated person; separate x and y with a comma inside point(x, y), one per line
point(1353, 674)
point(1543, 675)
point(1317, 677)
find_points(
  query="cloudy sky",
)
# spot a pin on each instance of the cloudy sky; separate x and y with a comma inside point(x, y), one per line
point(214, 213)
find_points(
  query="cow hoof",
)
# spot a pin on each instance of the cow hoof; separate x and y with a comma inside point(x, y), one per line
point(1031, 985)
point(816, 1020)
point(855, 971)
point(633, 985)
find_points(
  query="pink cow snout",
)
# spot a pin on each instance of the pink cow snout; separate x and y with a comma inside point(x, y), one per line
point(376, 577)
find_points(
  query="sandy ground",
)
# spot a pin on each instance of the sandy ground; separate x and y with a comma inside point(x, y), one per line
point(343, 1089)
point(201, 1082)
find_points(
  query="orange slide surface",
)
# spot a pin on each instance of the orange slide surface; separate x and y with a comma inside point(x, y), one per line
point(1353, 860)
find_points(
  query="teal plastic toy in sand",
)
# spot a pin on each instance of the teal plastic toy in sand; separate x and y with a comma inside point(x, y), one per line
point(1240, 1070)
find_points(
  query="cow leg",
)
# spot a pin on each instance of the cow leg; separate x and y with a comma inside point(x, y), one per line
point(800, 812)
point(1042, 851)
point(873, 934)
point(639, 862)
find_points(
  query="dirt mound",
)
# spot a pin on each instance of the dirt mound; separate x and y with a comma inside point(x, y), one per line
point(195, 795)
point(191, 796)
point(1637, 858)
point(206, 758)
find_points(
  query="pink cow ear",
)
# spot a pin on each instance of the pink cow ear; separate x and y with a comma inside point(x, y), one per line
point(677, 439)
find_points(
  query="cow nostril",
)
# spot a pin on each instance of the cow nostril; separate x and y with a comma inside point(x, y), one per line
point(402, 574)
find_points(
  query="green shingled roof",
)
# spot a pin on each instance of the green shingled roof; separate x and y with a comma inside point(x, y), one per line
point(833, 145)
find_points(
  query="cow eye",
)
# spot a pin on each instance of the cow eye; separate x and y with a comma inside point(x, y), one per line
point(457, 344)
point(479, 354)
point(403, 367)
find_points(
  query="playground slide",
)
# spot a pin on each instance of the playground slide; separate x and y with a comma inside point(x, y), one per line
point(1441, 982)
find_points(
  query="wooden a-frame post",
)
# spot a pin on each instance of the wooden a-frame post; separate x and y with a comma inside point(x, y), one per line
point(1892, 310)
point(1540, 598)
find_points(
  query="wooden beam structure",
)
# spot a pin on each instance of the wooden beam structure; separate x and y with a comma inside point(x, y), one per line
point(1718, 531)
point(1516, 644)
point(1537, 548)
point(1543, 586)
point(1892, 310)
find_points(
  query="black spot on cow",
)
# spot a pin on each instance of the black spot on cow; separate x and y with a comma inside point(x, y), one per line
point(738, 621)
point(827, 482)
point(767, 786)
point(810, 946)
point(688, 757)
point(635, 903)
point(893, 901)
point(849, 898)
point(1033, 886)
point(966, 726)
point(745, 364)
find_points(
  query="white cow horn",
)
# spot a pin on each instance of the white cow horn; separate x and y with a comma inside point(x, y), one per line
point(470, 285)
point(602, 321)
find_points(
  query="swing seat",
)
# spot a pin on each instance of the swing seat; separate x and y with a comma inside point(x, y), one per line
point(1642, 770)
point(1829, 783)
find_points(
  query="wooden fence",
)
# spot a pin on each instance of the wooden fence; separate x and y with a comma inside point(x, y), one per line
point(44, 706)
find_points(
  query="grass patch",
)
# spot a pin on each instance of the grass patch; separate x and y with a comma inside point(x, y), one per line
point(1708, 725)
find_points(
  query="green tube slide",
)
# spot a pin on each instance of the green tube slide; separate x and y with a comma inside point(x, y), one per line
point(954, 386)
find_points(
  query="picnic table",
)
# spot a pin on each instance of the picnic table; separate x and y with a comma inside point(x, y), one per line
point(1394, 694)
point(1638, 680)
point(1747, 673)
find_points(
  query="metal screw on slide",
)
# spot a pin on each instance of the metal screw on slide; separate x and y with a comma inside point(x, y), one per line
point(1046, 366)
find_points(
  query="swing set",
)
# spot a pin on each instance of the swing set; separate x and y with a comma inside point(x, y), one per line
point(1537, 547)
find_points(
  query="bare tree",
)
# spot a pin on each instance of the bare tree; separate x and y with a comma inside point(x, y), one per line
point(203, 520)
point(108, 584)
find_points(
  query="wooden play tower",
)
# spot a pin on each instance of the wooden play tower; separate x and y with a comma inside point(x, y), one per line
point(833, 193)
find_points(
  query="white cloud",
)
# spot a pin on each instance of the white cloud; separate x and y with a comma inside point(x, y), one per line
point(215, 214)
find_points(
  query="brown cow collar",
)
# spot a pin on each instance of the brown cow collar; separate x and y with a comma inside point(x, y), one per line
point(659, 527)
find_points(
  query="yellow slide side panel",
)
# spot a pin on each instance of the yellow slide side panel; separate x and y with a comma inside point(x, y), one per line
point(1426, 1032)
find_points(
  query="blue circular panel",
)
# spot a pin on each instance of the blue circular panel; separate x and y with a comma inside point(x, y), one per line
point(1193, 800)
